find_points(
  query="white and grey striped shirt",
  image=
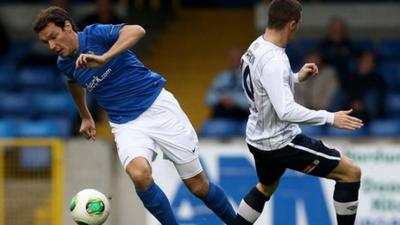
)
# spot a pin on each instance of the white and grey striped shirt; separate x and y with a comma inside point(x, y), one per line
point(269, 86)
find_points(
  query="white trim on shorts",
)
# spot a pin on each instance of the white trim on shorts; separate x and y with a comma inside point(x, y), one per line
point(309, 150)
point(189, 169)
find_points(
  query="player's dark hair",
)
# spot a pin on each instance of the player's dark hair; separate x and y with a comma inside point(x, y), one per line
point(282, 12)
point(52, 14)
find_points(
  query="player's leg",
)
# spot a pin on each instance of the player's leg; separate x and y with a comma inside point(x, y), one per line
point(178, 141)
point(211, 194)
point(135, 156)
point(347, 176)
point(314, 158)
point(153, 198)
point(253, 202)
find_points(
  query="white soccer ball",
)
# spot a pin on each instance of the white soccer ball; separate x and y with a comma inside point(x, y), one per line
point(89, 207)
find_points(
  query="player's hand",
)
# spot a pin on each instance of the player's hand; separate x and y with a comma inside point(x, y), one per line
point(307, 71)
point(88, 129)
point(343, 120)
point(90, 61)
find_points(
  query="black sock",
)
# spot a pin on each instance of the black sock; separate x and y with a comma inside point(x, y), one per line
point(345, 199)
point(251, 207)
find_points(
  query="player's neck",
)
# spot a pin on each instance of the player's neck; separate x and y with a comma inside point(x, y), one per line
point(279, 38)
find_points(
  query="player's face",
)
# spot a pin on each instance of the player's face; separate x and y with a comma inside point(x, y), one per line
point(58, 40)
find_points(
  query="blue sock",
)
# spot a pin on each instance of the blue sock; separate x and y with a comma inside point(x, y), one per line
point(217, 201)
point(157, 203)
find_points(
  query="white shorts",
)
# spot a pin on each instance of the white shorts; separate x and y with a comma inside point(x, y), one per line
point(163, 126)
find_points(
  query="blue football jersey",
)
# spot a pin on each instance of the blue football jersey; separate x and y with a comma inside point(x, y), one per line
point(123, 87)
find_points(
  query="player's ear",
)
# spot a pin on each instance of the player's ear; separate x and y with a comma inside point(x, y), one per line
point(67, 26)
point(293, 25)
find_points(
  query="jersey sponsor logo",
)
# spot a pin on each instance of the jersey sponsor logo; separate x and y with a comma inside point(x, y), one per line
point(96, 80)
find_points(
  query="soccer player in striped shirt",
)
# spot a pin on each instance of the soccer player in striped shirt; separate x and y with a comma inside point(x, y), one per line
point(273, 135)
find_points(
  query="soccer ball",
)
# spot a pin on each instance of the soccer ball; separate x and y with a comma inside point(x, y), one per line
point(89, 207)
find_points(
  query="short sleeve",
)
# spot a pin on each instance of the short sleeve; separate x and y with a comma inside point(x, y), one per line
point(106, 33)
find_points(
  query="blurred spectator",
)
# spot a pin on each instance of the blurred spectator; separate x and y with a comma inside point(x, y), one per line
point(366, 90)
point(318, 92)
point(104, 14)
point(337, 49)
point(226, 96)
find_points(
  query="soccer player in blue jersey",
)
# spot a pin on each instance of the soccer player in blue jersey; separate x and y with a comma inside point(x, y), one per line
point(143, 115)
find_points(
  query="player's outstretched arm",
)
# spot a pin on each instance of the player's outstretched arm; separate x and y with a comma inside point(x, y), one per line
point(343, 120)
point(282, 99)
point(129, 35)
point(78, 94)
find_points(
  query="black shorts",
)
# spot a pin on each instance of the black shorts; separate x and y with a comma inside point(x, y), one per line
point(303, 154)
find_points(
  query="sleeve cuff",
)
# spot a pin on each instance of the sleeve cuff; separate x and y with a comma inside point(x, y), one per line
point(296, 77)
point(330, 117)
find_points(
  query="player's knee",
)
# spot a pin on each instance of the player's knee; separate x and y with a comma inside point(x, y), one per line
point(353, 173)
point(140, 174)
point(200, 189)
